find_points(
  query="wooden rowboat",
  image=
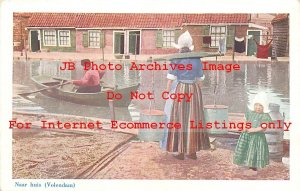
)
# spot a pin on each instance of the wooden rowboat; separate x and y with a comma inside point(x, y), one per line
point(68, 93)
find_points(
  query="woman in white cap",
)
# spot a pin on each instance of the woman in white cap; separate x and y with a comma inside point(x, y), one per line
point(252, 147)
point(186, 140)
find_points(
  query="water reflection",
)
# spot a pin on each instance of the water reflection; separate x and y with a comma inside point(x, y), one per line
point(233, 89)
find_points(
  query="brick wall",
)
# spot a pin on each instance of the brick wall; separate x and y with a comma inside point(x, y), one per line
point(241, 31)
point(196, 32)
point(20, 35)
point(281, 39)
point(149, 44)
point(264, 19)
point(108, 47)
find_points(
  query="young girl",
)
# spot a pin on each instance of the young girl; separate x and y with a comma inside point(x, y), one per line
point(252, 148)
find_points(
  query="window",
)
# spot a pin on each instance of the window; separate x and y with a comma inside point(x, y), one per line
point(216, 33)
point(94, 39)
point(49, 38)
point(168, 38)
point(64, 38)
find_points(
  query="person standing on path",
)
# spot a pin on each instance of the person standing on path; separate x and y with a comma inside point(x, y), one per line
point(186, 140)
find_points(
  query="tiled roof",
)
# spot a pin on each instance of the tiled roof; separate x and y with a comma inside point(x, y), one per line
point(22, 14)
point(280, 17)
point(130, 20)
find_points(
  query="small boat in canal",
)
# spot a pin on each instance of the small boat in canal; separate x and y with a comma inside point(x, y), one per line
point(67, 92)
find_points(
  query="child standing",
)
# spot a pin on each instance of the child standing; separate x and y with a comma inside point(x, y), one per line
point(252, 147)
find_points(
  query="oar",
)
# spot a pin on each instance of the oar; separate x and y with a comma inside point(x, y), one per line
point(56, 86)
point(58, 78)
point(189, 55)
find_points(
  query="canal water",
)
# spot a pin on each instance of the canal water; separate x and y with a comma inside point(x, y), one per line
point(233, 89)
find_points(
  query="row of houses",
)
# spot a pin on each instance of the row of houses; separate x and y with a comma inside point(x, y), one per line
point(134, 33)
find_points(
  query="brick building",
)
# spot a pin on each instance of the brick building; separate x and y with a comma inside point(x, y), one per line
point(280, 35)
point(20, 36)
point(130, 33)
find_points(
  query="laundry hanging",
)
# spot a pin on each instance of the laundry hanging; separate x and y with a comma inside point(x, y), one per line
point(263, 50)
point(249, 36)
point(222, 46)
point(239, 45)
point(206, 39)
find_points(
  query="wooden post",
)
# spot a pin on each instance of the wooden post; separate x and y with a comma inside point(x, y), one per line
point(216, 84)
point(102, 53)
point(135, 46)
point(233, 43)
point(112, 109)
point(152, 90)
point(102, 44)
point(25, 49)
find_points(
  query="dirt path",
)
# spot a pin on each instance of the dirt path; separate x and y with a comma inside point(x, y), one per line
point(147, 161)
point(46, 154)
point(53, 154)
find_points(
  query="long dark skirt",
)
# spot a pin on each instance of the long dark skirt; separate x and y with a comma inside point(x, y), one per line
point(186, 139)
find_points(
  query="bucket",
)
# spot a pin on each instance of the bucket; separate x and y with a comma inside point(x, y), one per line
point(274, 107)
point(150, 117)
point(217, 113)
point(275, 136)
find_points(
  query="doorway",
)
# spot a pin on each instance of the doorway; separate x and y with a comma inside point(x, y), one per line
point(119, 42)
point(134, 42)
point(251, 45)
point(35, 41)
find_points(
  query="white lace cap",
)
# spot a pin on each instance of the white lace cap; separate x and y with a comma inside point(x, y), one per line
point(184, 40)
point(262, 99)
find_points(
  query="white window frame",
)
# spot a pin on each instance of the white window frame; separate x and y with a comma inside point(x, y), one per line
point(210, 33)
point(68, 45)
point(163, 40)
point(54, 37)
point(99, 31)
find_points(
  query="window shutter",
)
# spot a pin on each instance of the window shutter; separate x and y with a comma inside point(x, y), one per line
point(159, 39)
point(230, 37)
point(102, 40)
point(85, 40)
point(177, 34)
point(117, 43)
point(206, 33)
